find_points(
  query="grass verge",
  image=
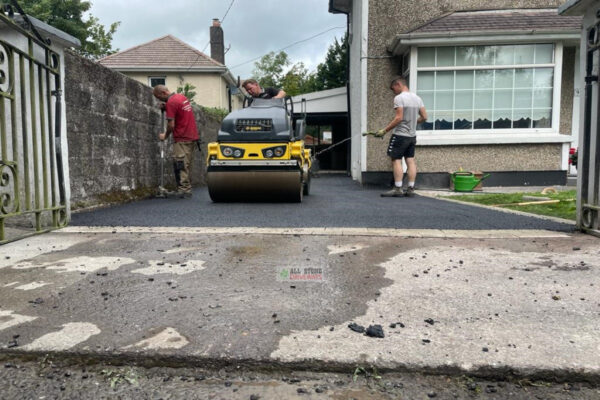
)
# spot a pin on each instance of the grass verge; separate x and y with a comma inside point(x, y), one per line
point(565, 208)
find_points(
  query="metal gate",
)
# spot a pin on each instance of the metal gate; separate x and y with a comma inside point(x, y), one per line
point(32, 186)
point(588, 216)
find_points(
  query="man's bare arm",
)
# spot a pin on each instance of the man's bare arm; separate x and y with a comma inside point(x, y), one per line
point(280, 95)
point(397, 119)
point(422, 115)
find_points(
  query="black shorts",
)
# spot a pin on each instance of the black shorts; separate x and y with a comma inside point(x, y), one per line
point(401, 146)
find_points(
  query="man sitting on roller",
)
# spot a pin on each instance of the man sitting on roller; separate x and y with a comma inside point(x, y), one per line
point(254, 90)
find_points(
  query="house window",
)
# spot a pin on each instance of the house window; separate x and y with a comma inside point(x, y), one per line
point(156, 80)
point(487, 87)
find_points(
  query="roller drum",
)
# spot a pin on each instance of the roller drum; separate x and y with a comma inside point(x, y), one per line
point(250, 186)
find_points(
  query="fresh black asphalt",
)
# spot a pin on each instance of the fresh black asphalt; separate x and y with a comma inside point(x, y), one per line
point(334, 201)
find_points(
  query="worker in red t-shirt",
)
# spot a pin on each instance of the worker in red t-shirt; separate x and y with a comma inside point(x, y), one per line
point(182, 124)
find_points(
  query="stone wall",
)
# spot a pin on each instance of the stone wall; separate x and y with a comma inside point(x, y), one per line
point(112, 129)
point(387, 19)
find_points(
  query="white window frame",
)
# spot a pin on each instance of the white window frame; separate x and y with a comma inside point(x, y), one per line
point(494, 136)
point(155, 77)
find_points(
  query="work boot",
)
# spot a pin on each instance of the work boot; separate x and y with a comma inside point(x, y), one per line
point(184, 195)
point(410, 191)
point(395, 192)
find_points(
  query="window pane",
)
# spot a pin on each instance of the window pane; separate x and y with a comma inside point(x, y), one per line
point(482, 119)
point(504, 78)
point(503, 99)
point(444, 80)
point(543, 77)
point(464, 79)
point(445, 56)
point(464, 100)
point(483, 99)
point(484, 79)
point(444, 100)
point(542, 98)
point(443, 120)
point(427, 98)
point(542, 118)
point(463, 120)
point(465, 56)
point(485, 55)
point(544, 53)
point(502, 119)
point(522, 118)
point(425, 80)
point(524, 54)
point(157, 81)
point(523, 98)
point(524, 78)
point(505, 55)
point(426, 57)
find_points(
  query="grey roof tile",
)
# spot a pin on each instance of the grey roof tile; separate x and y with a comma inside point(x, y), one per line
point(164, 52)
point(497, 20)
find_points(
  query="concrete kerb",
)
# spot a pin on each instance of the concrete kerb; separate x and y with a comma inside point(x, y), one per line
point(318, 231)
point(501, 209)
point(155, 360)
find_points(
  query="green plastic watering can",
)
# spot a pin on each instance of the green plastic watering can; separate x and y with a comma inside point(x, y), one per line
point(465, 181)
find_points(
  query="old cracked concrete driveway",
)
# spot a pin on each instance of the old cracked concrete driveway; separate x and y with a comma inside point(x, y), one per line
point(477, 302)
point(456, 289)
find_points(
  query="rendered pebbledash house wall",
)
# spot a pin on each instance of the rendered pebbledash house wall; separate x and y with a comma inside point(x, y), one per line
point(387, 39)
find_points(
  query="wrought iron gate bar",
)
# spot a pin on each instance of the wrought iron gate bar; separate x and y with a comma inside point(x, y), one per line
point(31, 176)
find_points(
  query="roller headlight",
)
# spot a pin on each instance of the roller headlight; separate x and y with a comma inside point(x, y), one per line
point(229, 151)
point(271, 152)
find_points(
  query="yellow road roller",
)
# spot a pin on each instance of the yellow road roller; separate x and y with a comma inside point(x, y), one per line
point(259, 155)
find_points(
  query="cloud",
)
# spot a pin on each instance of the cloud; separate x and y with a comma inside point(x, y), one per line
point(252, 27)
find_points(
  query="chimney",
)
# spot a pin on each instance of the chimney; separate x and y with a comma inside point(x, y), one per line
point(217, 46)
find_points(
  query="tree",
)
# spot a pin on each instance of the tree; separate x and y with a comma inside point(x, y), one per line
point(67, 15)
point(332, 73)
point(276, 70)
point(188, 91)
point(269, 70)
point(297, 80)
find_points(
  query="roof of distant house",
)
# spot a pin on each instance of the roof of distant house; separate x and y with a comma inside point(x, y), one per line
point(164, 53)
point(500, 20)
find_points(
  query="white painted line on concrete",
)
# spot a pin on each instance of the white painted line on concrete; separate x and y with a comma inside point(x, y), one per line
point(319, 231)
point(32, 285)
point(180, 250)
point(167, 339)
point(339, 249)
point(28, 248)
point(9, 319)
point(68, 337)
point(79, 264)
point(161, 267)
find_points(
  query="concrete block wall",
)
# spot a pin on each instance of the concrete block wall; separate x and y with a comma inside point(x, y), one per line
point(112, 128)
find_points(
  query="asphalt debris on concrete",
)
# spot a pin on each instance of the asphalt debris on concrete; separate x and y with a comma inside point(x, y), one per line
point(50, 378)
point(224, 310)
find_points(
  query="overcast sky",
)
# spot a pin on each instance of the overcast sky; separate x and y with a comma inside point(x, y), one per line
point(252, 27)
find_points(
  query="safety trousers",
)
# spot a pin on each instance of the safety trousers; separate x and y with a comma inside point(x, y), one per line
point(183, 156)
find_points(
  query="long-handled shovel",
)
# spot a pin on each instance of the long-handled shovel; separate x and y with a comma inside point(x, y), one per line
point(162, 192)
